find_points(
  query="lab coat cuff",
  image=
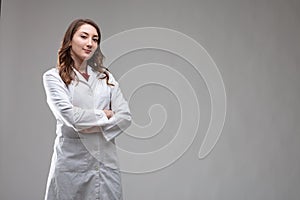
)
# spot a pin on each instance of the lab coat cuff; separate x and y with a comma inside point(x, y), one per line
point(101, 116)
point(108, 135)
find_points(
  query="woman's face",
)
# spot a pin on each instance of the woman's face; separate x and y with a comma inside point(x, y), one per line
point(84, 43)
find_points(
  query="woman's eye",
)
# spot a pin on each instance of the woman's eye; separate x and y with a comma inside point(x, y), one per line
point(83, 36)
point(95, 40)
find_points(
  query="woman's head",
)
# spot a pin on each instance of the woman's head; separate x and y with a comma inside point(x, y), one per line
point(80, 43)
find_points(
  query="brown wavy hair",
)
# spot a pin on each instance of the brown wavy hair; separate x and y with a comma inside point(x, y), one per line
point(65, 63)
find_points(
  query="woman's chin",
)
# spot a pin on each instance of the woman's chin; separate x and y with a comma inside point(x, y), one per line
point(87, 57)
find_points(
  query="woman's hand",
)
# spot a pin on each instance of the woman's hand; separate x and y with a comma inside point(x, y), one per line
point(109, 113)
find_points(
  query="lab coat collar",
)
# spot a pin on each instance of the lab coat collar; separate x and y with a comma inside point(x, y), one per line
point(93, 75)
point(90, 72)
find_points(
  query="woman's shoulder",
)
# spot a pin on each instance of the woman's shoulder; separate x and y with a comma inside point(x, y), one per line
point(111, 79)
point(52, 74)
point(106, 74)
point(51, 71)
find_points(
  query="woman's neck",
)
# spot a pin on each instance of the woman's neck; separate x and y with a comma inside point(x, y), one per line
point(81, 66)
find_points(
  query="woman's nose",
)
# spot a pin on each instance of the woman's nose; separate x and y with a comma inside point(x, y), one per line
point(90, 43)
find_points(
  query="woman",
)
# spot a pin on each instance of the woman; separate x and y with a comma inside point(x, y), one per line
point(90, 111)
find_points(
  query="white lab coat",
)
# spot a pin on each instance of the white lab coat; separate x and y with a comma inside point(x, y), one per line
point(84, 164)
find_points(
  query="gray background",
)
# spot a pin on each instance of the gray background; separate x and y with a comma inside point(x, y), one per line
point(257, 49)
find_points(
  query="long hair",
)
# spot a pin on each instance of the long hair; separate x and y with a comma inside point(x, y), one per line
point(65, 63)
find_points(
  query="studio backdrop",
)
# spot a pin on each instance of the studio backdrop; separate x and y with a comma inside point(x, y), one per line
point(213, 87)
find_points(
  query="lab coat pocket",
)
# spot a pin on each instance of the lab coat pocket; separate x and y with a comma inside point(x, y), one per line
point(72, 155)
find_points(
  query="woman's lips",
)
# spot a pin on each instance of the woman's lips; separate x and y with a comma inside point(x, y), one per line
point(87, 51)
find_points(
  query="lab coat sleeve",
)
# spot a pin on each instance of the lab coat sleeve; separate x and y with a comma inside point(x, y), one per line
point(58, 99)
point(121, 119)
